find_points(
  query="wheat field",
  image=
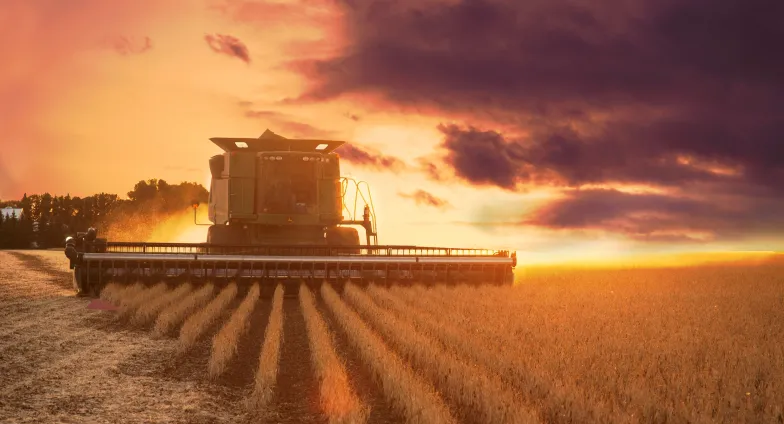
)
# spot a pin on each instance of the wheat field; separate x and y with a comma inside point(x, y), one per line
point(685, 345)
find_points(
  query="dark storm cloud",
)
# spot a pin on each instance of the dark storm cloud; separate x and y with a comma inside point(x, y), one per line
point(685, 95)
point(564, 158)
point(424, 198)
point(539, 53)
point(228, 45)
point(658, 217)
point(595, 81)
point(481, 157)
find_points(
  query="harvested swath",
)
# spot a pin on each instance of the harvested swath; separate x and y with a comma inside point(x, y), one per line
point(116, 292)
point(149, 311)
point(414, 398)
point(224, 344)
point(196, 324)
point(200, 321)
point(173, 316)
point(132, 302)
point(267, 373)
point(338, 402)
point(479, 395)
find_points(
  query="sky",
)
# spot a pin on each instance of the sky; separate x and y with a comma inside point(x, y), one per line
point(562, 129)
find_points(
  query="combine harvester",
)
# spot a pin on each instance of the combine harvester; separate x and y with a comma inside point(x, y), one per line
point(277, 206)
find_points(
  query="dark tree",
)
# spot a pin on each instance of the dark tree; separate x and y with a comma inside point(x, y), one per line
point(60, 216)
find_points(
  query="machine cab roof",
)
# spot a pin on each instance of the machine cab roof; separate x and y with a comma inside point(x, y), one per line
point(271, 142)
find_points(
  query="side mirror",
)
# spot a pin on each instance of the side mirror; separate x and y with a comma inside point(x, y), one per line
point(195, 204)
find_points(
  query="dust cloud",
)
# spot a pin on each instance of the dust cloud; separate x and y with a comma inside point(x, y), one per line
point(153, 225)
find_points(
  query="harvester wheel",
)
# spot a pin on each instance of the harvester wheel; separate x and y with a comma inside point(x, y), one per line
point(80, 284)
point(77, 282)
point(343, 236)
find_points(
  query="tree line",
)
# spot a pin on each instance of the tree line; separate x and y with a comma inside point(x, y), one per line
point(46, 220)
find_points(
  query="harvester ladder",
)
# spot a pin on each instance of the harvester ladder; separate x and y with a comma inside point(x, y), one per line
point(367, 199)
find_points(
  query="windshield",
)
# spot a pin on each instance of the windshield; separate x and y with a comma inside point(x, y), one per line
point(288, 186)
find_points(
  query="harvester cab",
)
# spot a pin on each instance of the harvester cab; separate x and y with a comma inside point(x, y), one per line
point(273, 190)
point(281, 212)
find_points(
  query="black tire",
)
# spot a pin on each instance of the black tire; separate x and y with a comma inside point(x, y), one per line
point(343, 236)
point(214, 234)
point(78, 279)
point(80, 284)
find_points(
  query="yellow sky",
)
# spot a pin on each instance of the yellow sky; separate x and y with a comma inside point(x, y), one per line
point(99, 121)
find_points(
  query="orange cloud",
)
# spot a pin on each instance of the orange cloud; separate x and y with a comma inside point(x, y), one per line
point(228, 45)
point(369, 158)
point(273, 13)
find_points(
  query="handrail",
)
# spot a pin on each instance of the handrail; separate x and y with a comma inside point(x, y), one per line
point(358, 193)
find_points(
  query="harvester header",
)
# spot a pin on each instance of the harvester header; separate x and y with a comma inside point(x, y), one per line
point(280, 211)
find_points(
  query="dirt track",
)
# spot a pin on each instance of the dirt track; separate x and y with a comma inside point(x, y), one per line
point(60, 361)
point(63, 362)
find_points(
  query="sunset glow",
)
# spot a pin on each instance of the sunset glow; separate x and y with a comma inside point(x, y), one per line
point(464, 144)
